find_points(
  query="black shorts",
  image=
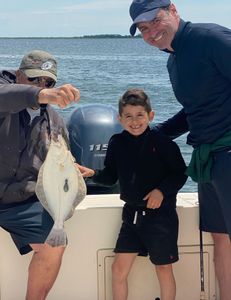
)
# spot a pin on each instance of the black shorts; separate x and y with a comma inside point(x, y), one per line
point(215, 197)
point(27, 222)
point(154, 233)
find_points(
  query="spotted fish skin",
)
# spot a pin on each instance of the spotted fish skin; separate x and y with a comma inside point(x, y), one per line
point(60, 188)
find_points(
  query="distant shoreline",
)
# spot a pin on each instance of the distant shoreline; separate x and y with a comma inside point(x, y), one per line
point(97, 36)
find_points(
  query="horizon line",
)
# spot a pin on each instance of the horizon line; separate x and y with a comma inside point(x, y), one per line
point(72, 37)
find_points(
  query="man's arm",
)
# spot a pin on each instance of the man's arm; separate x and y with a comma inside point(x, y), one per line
point(174, 126)
point(16, 97)
point(176, 178)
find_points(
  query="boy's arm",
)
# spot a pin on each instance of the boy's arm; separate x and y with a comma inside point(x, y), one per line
point(108, 175)
point(102, 177)
point(86, 172)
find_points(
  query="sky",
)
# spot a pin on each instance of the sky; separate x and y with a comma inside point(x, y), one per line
point(68, 18)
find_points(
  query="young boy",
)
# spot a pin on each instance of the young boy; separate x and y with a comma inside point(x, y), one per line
point(150, 170)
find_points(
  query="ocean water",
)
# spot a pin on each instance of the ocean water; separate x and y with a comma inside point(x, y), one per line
point(103, 69)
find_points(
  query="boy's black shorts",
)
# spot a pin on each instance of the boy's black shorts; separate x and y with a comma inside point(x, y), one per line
point(154, 233)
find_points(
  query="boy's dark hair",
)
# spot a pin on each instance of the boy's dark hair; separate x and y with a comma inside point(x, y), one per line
point(135, 97)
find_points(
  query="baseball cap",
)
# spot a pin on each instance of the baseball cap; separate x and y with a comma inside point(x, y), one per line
point(145, 11)
point(38, 63)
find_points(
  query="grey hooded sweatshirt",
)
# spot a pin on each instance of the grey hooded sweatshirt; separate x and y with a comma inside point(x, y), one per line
point(24, 140)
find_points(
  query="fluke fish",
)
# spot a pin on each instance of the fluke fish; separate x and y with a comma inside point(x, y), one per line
point(60, 188)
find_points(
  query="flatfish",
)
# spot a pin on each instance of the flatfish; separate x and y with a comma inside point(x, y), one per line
point(60, 188)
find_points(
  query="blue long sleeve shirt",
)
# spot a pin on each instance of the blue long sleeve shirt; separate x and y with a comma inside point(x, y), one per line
point(200, 73)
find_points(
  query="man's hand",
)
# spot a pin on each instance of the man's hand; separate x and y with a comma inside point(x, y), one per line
point(61, 96)
point(154, 199)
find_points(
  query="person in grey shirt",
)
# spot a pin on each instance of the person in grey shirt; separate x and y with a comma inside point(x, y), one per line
point(26, 118)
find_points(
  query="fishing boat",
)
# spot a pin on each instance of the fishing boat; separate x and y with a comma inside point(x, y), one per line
point(92, 231)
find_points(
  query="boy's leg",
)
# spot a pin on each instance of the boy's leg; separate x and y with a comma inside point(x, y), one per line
point(167, 282)
point(120, 269)
point(43, 270)
point(159, 233)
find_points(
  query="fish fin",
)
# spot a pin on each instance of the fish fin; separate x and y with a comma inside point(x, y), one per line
point(82, 190)
point(39, 190)
point(65, 138)
point(57, 237)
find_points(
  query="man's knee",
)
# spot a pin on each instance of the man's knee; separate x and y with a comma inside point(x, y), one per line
point(45, 247)
point(47, 253)
point(221, 239)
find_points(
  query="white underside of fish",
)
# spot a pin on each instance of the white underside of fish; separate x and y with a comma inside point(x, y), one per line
point(60, 188)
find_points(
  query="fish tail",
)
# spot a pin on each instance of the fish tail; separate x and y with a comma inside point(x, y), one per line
point(57, 237)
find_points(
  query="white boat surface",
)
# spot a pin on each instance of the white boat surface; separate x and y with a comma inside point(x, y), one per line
point(86, 269)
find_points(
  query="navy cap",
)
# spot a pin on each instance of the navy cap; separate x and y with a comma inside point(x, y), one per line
point(145, 11)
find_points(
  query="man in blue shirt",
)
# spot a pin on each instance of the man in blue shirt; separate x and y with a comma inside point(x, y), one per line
point(199, 67)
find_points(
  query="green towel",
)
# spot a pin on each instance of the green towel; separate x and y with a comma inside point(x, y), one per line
point(199, 168)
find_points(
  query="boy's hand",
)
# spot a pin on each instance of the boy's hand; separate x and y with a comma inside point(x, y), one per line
point(154, 199)
point(86, 172)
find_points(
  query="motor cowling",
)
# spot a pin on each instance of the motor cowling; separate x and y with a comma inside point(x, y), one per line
point(90, 128)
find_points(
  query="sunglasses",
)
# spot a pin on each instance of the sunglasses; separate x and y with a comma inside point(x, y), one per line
point(48, 82)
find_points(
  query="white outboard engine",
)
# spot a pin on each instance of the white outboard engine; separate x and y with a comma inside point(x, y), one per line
point(90, 128)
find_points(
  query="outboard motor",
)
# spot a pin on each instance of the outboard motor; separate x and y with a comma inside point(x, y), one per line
point(90, 128)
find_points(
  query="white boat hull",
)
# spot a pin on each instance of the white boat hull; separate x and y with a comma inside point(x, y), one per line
point(85, 273)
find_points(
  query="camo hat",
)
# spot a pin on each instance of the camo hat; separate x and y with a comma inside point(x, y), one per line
point(38, 63)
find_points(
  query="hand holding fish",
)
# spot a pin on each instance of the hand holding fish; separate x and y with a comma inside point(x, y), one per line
point(61, 96)
point(154, 199)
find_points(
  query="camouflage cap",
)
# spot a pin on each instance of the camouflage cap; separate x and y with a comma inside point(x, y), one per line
point(38, 63)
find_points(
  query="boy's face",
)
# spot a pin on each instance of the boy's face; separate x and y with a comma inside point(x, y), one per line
point(135, 119)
